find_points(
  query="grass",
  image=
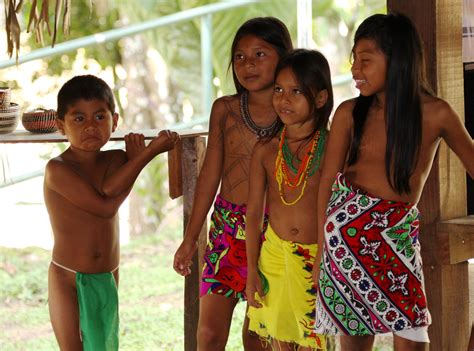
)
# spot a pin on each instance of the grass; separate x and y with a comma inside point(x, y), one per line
point(151, 298)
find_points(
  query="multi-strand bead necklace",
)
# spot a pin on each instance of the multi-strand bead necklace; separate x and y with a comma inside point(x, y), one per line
point(308, 165)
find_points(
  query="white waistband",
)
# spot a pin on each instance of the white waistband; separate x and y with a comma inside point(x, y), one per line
point(73, 271)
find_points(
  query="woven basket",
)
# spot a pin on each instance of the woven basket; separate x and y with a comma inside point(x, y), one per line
point(39, 121)
point(5, 96)
point(9, 117)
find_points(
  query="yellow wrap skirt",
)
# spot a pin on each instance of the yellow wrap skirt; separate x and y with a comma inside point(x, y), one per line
point(289, 303)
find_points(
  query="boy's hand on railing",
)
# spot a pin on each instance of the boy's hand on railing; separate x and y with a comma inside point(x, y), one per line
point(134, 144)
point(165, 141)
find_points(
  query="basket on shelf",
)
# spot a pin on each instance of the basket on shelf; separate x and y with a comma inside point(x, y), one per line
point(5, 96)
point(9, 117)
point(39, 121)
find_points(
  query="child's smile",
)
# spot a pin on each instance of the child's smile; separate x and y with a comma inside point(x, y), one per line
point(369, 67)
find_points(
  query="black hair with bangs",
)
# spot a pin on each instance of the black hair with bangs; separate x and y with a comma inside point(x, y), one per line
point(312, 72)
point(269, 29)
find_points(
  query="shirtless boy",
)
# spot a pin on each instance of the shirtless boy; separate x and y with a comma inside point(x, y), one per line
point(83, 190)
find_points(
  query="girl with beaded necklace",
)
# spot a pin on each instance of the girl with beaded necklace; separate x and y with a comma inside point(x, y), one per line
point(285, 172)
point(235, 125)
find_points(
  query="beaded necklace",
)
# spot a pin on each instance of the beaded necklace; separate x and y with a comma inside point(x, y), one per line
point(261, 132)
point(308, 165)
point(290, 158)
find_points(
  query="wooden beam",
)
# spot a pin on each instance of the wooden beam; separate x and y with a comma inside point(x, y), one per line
point(193, 152)
point(457, 237)
point(22, 136)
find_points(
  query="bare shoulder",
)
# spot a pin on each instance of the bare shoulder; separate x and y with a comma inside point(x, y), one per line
point(55, 164)
point(343, 113)
point(436, 110)
point(56, 169)
point(223, 105)
point(346, 106)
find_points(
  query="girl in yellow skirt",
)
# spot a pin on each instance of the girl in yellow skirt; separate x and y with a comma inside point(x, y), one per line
point(284, 178)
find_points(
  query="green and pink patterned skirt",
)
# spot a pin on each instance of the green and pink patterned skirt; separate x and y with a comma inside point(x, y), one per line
point(225, 260)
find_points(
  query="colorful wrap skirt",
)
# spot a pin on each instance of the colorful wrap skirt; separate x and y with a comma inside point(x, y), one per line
point(371, 278)
point(225, 260)
point(288, 307)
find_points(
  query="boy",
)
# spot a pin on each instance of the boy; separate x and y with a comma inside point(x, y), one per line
point(83, 190)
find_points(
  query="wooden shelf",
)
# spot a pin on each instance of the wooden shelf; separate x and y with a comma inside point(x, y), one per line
point(22, 136)
point(457, 239)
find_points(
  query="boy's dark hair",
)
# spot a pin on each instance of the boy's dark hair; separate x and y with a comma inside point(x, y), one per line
point(312, 72)
point(87, 87)
point(396, 36)
point(269, 29)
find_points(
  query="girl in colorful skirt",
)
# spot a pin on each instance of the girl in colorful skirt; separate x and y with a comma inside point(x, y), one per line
point(285, 173)
point(379, 154)
point(235, 125)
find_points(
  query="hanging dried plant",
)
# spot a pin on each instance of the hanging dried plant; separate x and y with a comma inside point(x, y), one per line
point(12, 27)
point(38, 21)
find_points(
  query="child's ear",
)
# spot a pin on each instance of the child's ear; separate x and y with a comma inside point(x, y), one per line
point(60, 126)
point(115, 118)
point(321, 98)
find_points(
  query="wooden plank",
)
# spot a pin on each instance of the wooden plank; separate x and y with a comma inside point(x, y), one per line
point(457, 238)
point(175, 171)
point(21, 136)
point(194, 150)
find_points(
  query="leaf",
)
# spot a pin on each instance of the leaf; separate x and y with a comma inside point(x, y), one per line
point(57, 14)
point(44, 16)
point(67, 17)
point(33, 16)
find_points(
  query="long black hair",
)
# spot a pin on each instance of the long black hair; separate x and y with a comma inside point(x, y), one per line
point(405, 81)
point(312, 72)
point(269, 29)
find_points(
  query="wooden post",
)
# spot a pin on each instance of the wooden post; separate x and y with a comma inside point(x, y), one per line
point(193, 151)
point(175, 171)
point(444, 197)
